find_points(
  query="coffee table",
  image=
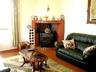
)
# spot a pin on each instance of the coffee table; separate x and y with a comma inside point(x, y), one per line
point(35, 58)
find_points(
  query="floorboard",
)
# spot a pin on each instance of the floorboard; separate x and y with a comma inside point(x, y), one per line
point(50, 52)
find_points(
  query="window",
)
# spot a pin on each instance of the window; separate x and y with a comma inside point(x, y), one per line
point(6, 23)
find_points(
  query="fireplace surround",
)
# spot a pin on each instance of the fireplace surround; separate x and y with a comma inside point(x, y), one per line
point(48, 31)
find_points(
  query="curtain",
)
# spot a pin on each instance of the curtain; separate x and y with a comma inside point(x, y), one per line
point(15, 25)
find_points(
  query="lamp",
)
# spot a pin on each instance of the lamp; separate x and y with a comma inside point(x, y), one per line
point(48, 9)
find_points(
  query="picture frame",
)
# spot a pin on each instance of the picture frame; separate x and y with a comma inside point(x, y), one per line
point(91, 12)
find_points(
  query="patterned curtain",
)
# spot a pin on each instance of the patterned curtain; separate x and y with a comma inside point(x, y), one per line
point(15, 25)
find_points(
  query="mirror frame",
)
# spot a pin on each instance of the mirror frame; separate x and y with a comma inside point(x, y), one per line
point(89, 20)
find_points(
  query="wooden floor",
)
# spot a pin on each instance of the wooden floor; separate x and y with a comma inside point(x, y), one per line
point(50, 52)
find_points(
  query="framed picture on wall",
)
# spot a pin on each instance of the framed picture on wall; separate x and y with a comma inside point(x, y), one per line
point(91, 12)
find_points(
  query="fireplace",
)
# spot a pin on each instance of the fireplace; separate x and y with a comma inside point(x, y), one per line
point(47, 32)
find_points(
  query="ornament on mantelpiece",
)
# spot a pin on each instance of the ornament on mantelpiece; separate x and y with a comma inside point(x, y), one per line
point(46, 17)
point(62, 17)
point(41, 18)
point(35, 18)
point(53, 18)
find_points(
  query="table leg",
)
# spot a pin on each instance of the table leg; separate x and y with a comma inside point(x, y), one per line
point(45, 64)
point(25, 61)
point(33, 63)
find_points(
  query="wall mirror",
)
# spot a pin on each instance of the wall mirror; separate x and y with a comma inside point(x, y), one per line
point(91, 12)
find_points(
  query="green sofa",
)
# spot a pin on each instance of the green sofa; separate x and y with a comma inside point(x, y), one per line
point(75, 56)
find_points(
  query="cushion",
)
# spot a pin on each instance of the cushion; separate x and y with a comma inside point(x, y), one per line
point(69, 43)
point(23, 45)
point(81, 45)
point(87, 51)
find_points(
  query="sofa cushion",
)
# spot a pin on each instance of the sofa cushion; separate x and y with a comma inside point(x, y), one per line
point(77, 54)
point(87, 51)
point(69, 43)
point(81, 45)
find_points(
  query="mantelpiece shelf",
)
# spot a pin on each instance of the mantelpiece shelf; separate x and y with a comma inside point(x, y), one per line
point(48, 21)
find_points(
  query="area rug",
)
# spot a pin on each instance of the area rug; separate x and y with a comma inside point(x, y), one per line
point(14, 64)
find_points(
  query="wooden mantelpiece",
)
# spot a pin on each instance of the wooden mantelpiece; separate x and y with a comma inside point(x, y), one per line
point(59, 28)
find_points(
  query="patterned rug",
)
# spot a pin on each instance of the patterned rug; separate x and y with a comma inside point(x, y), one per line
point(15, 62)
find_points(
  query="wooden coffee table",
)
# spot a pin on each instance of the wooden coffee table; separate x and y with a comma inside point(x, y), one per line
point(35, 58)
point(38, 61)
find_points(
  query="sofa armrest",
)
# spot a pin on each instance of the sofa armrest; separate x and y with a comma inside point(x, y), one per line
point(90, 56)
point(88, 51)
point(91, 62)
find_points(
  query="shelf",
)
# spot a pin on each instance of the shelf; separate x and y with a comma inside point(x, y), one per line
point(48, 21)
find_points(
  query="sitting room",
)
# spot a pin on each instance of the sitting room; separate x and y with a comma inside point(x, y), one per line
point(48, 36)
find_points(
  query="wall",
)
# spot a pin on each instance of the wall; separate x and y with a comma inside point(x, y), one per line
point(75, 12)
point(25, 11)
point(28, 8)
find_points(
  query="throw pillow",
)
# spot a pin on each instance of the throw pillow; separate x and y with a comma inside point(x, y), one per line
point(69, 43)
point(87, 51)
point(23, 45)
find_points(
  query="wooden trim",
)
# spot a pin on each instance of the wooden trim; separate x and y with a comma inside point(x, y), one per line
point(9, 50)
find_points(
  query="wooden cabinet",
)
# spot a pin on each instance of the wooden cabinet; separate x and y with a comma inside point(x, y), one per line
point(55, 26)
